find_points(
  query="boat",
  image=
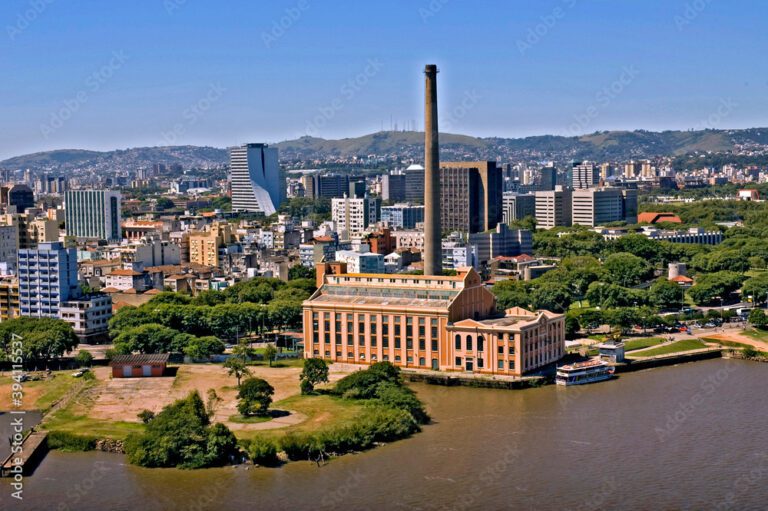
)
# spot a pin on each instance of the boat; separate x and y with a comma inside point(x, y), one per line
point(580, 373)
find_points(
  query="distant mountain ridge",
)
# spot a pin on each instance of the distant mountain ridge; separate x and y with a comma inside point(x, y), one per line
point(599, 146)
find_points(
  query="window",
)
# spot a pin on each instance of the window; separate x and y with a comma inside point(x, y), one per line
point(458, 342)
point(511, 365)
point(501, 350)
point(469, 343)
point(480, 344)
point(397, 358)
point(458, 361)
point(422, 361)
point(409, 360)
point(434, 345)
point(480, 363)
point(501, 364)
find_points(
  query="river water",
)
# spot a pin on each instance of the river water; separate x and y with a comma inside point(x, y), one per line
point(688, 437)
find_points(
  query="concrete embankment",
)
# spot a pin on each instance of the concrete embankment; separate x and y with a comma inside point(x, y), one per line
point(454, 380)
point(667, 360)
point(31, 452)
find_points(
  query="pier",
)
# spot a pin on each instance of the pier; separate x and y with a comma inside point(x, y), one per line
point(33, 449)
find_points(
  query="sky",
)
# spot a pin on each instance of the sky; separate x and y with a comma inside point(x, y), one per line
point(100, 75)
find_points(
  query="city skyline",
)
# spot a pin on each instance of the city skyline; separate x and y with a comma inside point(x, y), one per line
point(162, 73)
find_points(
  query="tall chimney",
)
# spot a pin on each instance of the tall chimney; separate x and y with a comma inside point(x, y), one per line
point(433, 259)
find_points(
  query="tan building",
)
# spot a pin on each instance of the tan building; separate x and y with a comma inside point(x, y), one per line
point(204, 246)
point(9, 299)
point(32, 231)
point(427, 322)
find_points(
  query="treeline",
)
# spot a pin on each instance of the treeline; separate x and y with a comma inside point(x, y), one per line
point(179, 323)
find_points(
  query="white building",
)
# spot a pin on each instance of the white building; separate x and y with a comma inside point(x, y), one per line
point(257, 185)
point(598, 206)
point(353, 216)
point(93, 214)
point(361, 262)
point(553, 208)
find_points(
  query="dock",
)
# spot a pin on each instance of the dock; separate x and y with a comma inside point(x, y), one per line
point(33, 449)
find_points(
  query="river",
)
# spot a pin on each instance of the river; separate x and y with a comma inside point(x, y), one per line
point(688, 437)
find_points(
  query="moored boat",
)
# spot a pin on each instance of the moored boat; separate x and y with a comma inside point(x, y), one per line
point(580, 373)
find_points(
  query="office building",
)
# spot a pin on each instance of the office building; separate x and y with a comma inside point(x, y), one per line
point(547, 179)
point(204, 245)
point(501, 241)
point(516, 206)
point(17, 198)
point(414, 184)
point(553, 209)
point(331, 186)
point(393, 187)
point(47, 277)
point(256, 179)
point(585, 175)
point(361, 261)
point(402, 216)
point(93, 214)
point(353, 216)
point(598, 206)
point(471, 196)
point(308, 186)
point(427, 322)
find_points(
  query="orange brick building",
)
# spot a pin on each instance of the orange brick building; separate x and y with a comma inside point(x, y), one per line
point(427, 322)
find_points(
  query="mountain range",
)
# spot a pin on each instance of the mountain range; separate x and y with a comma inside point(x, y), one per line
point(599, 146)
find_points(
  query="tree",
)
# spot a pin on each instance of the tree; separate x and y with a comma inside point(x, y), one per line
point(666, 295)
point(270, 352)
point(41, 339)
point(200, 348)
point(315, 371)
point(149, 338)
point(255, 396)
point(511, 293)
point(84, 359)
point(712, 287)
point(164, 203)
point(757, 288)
point(758, 319)
point(300, 272)
point(236, 367)
point(627, 270)
point(551, 296)
point(572, 326)
point(181, 435)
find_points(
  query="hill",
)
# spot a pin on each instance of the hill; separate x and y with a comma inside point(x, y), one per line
point(600, 146)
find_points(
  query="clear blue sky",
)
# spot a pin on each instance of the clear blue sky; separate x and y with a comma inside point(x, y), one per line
point(103, 75)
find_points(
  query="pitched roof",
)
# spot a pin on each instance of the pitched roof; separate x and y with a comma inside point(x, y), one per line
point(681, 278)
point(124, 272)
point(655, 218)
point(141, 359)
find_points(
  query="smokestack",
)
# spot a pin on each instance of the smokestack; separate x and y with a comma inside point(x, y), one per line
point(433, 259)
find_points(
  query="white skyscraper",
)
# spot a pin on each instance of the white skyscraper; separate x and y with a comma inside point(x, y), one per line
point(255, 176)
point(93, 214)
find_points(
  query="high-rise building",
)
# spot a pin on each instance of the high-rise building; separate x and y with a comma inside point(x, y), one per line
point(516, 206)
point(393, 187)
point(353, 215)
point(257, 183)
point(547, 178)
point(414, 184)
point(585, 175)
point(553, 209)
point(93, 214)
point(47, 277)
point(357, 187)
point(331, 186)
point(502, 241)
point(204, 245)
point(17, 198)
point(9, 246)
point(606, 171)
point(632, 169)
point(598, 206)
point(402, 216)
point(471, 196)
point(308, 184)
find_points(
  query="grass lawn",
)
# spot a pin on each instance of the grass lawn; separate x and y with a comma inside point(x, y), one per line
point(759, 335)
point(321, 411)
point(638, 344)
point(675, 347)
point(239, 419)
point(41, 394)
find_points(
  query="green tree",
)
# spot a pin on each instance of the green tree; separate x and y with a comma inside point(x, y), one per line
point(270, 352)
point(511, 293)
point(758, 319)
point(41, 339)
point(255, 396)
point(626, 269)
point(300, 272)
point(84, 359)
point(666, 295)
point(236, 367)
point(757, 288)
point(315, 371)
point(149, 338)
point(551, 296)
point(200, 348)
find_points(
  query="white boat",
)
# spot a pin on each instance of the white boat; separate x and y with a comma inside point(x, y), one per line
point(581, 373)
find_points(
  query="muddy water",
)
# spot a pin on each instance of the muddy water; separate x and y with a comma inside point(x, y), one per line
point(693, 437)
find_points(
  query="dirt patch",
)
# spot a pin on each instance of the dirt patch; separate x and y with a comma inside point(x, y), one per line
point(740, 338)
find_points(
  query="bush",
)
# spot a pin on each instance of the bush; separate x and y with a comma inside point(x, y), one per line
point(255, 396)
point(84, 359)
point(402, 398)
point(363, 384)
point(750, 352)
point(262, 451)
point(146, 416)
point(71, 442)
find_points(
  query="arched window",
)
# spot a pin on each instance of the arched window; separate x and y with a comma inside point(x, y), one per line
point(458, 342)
point(469, 343)
point(480, 343)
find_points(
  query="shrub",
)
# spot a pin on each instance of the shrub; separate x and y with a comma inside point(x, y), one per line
point(255, 396)
point(262, 451)
point(84, 359)
point(402, 398)
point(66, 441)
point(364, 384)
point(146, 416)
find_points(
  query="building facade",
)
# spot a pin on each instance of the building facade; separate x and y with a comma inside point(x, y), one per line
point(553, 209)
point(93, 214)
point(597, 206)
point(256, 180)
point(402, 216)
point(470, 196)
point(353, 216)
point(427, 322)
point(516, 206)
